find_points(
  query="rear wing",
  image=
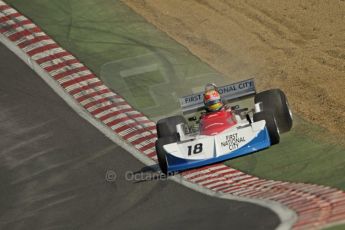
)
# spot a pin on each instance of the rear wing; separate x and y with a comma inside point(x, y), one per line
point(194, 102)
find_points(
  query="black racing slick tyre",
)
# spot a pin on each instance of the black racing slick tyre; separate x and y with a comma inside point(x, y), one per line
point(161, 153)
point(167, 127)
point(275, 100)
point(271, 125)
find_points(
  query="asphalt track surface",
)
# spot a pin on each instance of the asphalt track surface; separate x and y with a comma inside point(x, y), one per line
point(53, 167)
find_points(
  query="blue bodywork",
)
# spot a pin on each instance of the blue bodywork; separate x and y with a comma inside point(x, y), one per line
point(261, 141)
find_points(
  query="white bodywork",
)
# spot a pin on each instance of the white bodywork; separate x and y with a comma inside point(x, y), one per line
point(202, 147)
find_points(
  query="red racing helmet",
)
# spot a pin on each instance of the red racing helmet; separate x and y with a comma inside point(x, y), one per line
point(212, 99)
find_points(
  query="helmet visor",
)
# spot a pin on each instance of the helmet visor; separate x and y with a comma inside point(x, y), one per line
point(212, 102)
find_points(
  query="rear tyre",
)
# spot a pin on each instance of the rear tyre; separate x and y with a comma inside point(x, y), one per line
point(275, 100)
point(167, 127)
point(271, 125)
point(162, 154)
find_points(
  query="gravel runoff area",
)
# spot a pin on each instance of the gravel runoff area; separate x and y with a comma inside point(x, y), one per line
point(295, 45)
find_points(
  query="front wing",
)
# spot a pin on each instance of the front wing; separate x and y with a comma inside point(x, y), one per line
point(204, 150)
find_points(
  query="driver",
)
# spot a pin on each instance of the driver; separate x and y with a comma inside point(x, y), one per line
point(212, 100)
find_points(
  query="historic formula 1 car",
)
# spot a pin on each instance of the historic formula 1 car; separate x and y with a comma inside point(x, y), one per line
point(230, 132)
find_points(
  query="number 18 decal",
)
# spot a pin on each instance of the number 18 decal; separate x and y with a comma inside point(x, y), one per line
point(194, 149)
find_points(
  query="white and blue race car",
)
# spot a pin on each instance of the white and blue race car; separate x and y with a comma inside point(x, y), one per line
point(228, 133)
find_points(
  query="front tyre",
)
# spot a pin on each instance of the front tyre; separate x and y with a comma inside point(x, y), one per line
point(271, 125)
point(161, 153)
point(167, 127)
point(275, 100)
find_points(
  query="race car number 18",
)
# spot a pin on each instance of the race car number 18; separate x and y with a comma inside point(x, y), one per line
point(194, 149)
